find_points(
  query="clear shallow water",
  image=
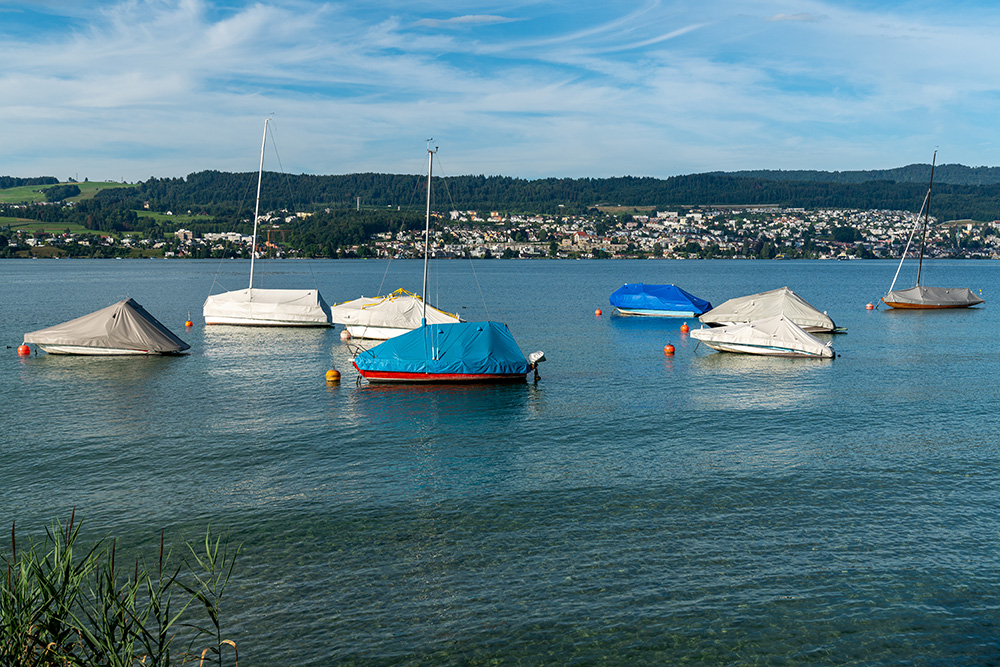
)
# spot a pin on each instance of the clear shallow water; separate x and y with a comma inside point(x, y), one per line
point(629, 509)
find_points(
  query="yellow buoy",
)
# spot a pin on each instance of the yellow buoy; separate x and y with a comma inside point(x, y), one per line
point(333, 376)
point(668, 350)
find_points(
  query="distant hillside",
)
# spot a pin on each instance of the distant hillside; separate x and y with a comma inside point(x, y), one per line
point(953, 174)
point(222, 194)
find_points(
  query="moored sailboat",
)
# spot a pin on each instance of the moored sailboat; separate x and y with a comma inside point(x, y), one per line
point(922, 297)
point(456, 352)
point(266, 307)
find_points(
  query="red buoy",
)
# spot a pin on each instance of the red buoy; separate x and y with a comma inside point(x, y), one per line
point(684, 328)
point(869, 307)
point(189, 323)
point(668, 350)
point(598, 312)
point(23, 351)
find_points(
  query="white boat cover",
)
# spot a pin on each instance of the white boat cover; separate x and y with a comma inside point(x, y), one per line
point(768, 304)
point(773, 336)
point(932, 297)
point(267, 307)
point(122, 326)
point(398, 310)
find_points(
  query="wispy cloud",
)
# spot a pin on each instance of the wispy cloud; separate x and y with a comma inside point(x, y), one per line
point(793, 17)
point(540, 88)
point(463, 21)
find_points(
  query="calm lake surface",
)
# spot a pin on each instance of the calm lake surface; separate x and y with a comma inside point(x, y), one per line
point(630, 508)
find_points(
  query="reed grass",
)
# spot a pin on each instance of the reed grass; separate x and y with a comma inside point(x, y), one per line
point(66, 603)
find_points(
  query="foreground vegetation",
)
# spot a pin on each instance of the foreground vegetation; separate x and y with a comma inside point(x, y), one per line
point(67, 603)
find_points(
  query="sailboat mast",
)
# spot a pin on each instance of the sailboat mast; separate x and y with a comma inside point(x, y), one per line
point(427, 228)
point(927, 211)
point(256, 208)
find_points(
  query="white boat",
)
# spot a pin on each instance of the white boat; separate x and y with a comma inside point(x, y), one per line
point(266, 307)
point(385, 317)
point(781, 301)
point(774, 336)
point(921, 297)
point(123, 328)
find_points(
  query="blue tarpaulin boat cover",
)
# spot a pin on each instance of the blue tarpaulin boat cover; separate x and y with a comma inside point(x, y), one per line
point(463, 348)
point(638, 296)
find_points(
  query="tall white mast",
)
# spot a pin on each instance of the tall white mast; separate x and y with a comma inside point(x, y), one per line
point(256, 208)
point(427, 228)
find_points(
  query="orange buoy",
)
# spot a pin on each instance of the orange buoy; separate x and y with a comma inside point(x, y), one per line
point(668, 350)
point(684, 328)
point(598, 312)
point(333, 376)
point(345, 335)
point(189, 323)
point(23, 351)
point(869, 307)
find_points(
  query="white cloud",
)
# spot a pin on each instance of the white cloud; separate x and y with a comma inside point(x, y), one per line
point(160, 87)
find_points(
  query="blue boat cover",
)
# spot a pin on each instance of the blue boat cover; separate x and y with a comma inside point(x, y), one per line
point(657, 297)
point(465, 348)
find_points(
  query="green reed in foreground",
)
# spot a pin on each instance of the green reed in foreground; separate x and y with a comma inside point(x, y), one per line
point(64, 603)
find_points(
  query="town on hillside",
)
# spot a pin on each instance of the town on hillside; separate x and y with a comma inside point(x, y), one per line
point(762, 232)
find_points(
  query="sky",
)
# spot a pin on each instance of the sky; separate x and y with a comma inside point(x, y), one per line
point(133, 89)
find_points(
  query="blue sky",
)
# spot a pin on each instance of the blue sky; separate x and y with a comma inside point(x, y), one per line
point(127, 90)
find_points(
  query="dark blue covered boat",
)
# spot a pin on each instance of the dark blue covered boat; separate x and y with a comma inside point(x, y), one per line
point(657, 301)
point(460, 352)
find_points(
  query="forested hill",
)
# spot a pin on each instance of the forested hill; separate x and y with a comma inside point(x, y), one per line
point(220, 193)
point(954, 174)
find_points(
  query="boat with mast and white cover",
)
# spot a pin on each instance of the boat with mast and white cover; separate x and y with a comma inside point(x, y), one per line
point(385, 317)
point(123, 328)
point(266, 307)
point(775, 336)
point(451, 352)
point(922, 297)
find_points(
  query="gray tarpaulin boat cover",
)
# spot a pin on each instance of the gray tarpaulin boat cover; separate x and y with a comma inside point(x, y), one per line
point(932, 297)
point(776, 335)
point(122, 326)
point(768, 304)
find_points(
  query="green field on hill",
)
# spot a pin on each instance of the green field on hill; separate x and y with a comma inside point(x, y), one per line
point(36, 193)
point(47, 227)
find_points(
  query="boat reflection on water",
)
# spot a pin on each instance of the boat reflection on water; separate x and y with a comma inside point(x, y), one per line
point(758, 382)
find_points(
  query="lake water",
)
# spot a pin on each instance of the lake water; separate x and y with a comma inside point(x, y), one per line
point(630, 508)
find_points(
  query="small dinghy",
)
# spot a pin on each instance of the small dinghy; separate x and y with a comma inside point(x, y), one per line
point(774, 336)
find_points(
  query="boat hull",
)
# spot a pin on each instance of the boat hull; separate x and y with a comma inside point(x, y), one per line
point(100, 351)
point(374, 333)
point(257, 322)
point(431, 378)
point(642, 312)
point(761, 350)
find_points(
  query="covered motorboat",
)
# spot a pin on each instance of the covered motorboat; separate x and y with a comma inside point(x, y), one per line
point(657, 301)
point(381, 318)
point(457, 352)
point(267, 307)
point(123, 328)
point(768, 304)
point(775, 336)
